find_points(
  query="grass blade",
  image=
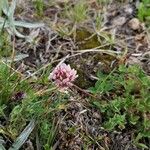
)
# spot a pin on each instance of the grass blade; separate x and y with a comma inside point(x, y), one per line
point(23, 136)
point(2, 147)
point(1, 144)
point(12, 8)
point(4, 6)
point(28, 25)
point(16, 58)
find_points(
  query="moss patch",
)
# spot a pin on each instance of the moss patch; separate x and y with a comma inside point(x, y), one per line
point(85, 39)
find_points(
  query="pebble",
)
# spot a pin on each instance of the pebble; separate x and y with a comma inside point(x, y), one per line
point(119, 21)
point(134, 24)
point(96, 115)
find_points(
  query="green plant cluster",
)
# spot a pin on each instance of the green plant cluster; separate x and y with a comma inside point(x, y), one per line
point(78, 13)
point(39, 6)
point(144, 11)
point(25, 109)
point(125, 102)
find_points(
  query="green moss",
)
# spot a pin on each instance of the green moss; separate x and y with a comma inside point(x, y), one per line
point(104, 58)
point(89, 63)
point(86, 39)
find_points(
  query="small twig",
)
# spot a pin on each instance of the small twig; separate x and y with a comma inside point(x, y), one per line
point(45, 66)
point(41, 92)
point(99, 50)
point(13, 51)
point(84, 91)
point(12, 68)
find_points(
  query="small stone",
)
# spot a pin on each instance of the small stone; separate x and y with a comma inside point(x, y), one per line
point(119, 21)
point(96, 115)
point(128, 10)
point(147, 55)
point(134, 24)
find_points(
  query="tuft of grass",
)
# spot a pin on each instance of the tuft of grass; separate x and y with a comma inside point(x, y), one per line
point(8, 84)
point(39, 5)
point(78, 13)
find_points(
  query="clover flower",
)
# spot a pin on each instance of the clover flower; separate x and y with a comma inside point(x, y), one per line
point(63, 76)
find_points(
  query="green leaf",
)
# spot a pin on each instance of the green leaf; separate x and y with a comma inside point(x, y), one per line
point(12, 9)
point(122, 69)
point(20, 24)
point(0, 8)
point(101, 106)
point(92, 90)
point(141, 12)
point(23, 136)
point(134, 119)
point(1, 144)
point(117, 120)
point(16, 58)
point(28, 25)
point(2, 147)
point(141, 145)
point(116, 105)
point(5, 6)
point(109, 125)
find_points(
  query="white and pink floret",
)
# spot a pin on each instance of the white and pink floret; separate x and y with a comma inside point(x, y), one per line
point(63, 75)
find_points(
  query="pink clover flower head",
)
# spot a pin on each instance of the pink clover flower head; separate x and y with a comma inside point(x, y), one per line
point(63, 76)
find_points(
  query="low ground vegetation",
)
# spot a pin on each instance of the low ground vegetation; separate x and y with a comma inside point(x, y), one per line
point(74, 75)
